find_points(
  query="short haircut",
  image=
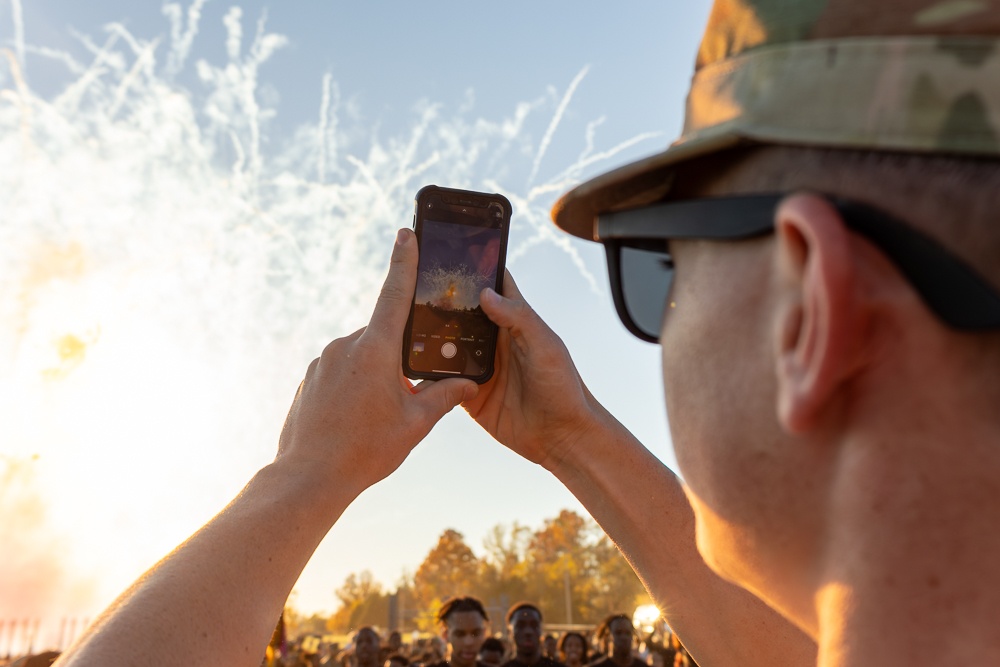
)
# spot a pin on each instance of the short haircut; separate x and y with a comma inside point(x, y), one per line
point(520, 606)
point(367, 628)
point(400, 658)
point(604, 629)
point(457, 604)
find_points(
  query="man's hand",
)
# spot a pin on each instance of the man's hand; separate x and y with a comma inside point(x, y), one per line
point(536, 402)
point(355, 416)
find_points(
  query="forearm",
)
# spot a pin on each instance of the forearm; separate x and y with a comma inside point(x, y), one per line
point(216, 599)
point(641, 505)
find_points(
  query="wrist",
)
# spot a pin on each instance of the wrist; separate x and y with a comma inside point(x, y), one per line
point(307, 485)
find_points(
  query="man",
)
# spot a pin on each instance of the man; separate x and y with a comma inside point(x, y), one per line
point(367, 644)
point(524, 623)
point(827, 352)
point(830, 366)
point(464, 624)
point(491, 652)
point(618, 637)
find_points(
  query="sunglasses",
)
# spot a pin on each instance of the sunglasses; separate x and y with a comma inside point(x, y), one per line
point(641, 269)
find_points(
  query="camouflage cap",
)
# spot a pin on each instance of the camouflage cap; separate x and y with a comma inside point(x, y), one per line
point(893, 75)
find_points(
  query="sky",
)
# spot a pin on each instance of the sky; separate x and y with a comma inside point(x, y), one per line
point(198, 196)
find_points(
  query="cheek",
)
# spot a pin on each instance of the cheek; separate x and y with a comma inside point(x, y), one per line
point(717, 384)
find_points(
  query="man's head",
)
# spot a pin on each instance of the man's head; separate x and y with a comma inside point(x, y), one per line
point(524, 622)
point(788, 344)
point(491, 652)
point(396, 660)
point(464, 623)
point(617, 634)
point(550, 645)
point(366, 647)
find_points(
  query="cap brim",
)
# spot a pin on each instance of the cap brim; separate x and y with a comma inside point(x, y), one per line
point(636, 184)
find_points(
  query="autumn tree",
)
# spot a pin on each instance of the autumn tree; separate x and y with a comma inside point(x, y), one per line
point(362, 602)
point(568, 560)
point(450, 568)
point(560, 560)
point(504, 568)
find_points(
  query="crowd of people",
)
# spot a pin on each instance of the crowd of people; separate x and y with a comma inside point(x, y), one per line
point(467, 639)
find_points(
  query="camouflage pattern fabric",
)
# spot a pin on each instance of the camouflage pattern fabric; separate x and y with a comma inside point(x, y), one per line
point(893, 75)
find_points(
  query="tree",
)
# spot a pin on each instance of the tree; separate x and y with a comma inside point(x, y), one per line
point(613, 586)
point(503, 570)
point(560, 561)
point(450, 568)
point(362, 602)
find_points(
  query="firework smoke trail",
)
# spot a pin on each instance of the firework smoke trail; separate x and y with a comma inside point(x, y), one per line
point(164, 280)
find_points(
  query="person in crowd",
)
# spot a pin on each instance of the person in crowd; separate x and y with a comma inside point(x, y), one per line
point(367, 644)
point(492, 652)
point(464, 624)
point(617, 634)
point(816, 256)
point(573, 649)
point(550, 646)
point(396, 660)
point(524, 624)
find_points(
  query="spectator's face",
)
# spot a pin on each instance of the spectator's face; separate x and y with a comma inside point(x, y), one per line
point(465, 632)
point(366, 647)
point(526, 629)
point(621, 637)
point(395, 641)
point(550, 645)
point(572, 650)
point(490, 657)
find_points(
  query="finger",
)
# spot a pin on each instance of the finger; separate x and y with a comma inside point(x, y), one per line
point(436, 399)
point(511, 312)
point(393, 305)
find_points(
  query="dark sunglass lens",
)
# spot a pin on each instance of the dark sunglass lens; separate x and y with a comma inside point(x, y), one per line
point(646, 278)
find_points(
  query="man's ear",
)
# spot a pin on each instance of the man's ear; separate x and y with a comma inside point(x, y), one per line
point(818, 317)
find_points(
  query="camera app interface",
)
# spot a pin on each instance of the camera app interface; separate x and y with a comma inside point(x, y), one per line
point(451, 334)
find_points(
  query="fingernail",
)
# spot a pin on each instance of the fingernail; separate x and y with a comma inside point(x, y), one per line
point(402, 236)
point(491, 296)
point(470, 392)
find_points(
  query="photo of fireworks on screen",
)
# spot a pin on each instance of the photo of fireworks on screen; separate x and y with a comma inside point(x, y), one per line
point(454, 288)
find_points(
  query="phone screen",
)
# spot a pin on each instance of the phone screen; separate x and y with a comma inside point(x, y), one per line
point(461, 253)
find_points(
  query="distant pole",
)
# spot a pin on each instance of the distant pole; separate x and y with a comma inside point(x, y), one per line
point(394, 612)
point(569, 597)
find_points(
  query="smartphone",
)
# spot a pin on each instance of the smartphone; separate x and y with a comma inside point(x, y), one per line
point(462, 238)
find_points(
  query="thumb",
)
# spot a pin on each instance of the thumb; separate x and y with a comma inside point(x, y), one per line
point(436, 399)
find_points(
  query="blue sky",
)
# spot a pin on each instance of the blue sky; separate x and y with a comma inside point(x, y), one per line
point(399, 82)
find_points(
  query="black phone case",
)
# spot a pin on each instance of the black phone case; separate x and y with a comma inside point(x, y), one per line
point(409, 372)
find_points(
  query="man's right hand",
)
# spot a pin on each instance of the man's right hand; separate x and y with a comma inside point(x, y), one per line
point(536, 403)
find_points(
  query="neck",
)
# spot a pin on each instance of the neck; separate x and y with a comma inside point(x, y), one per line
point(908, 572)
point(622, 658)
point(529, 658)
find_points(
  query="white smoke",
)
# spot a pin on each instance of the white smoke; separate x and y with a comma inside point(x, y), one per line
point(164, 279)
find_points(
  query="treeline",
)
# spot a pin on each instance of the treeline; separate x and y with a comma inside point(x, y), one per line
point(569, 567)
